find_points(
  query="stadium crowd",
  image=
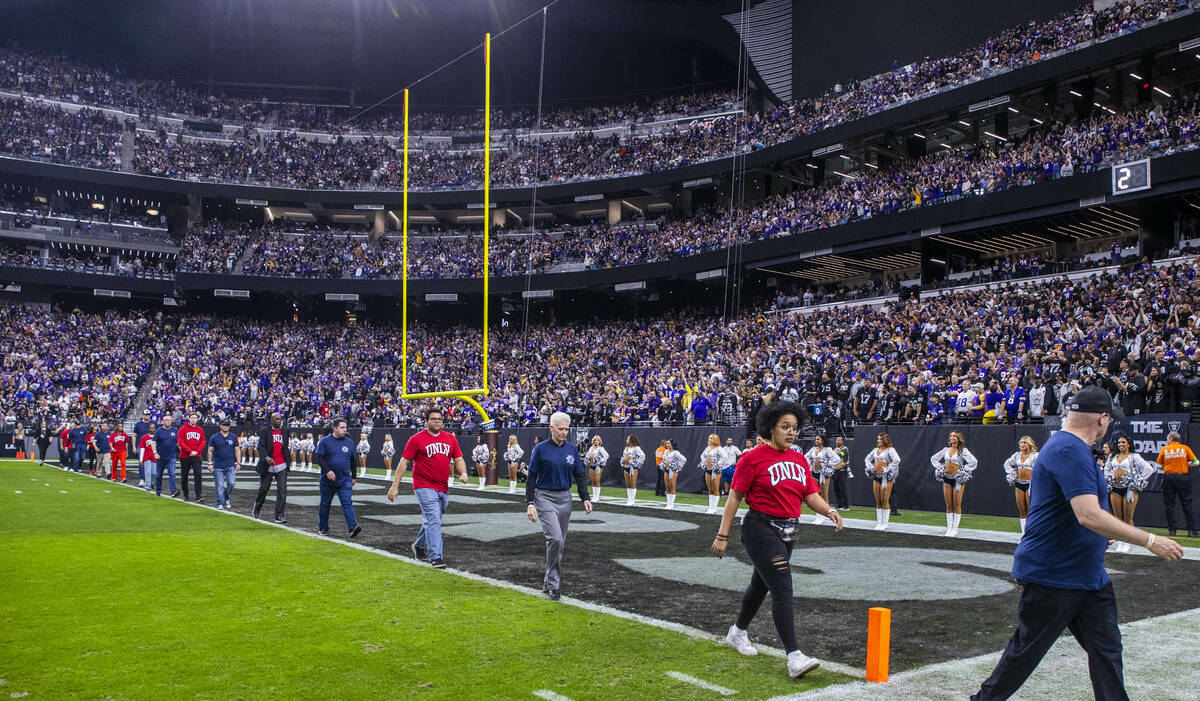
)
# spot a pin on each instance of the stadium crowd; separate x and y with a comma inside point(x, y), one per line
point(86, 138)
point(946, 358)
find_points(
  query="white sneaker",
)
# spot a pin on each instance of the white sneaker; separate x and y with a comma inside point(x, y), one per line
point(141, 483)
point(799, 664)
point(740, 641)
point(712, 511)
point(952, 533)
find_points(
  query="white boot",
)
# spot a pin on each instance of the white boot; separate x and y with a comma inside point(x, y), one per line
point(954, 527)
point(512, 486)
point(595, 495)
point(670, 501)
point(879, 519)
point(949, 524)
point(630, 496)
point(482, 482)
point(712, 504)
point(389, 475)
point(887, 516)
point(1022, 520)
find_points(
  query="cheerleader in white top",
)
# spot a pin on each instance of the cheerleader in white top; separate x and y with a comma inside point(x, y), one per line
point(512, 457)
point(632, 459)
point(387, 451)
point(1127, 474)
point(244, 446)
point(309, 446)
point(883, 466)
point(953, 465)
point(364, 449)
point(595, 460)
point(480, 456)
point(294, 448)
point(712, 461)
point(252, 444)
point(672, 464)
point(822, 461)
point(1018, 470)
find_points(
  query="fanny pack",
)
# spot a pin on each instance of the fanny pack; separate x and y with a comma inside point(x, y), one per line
point(785, 528)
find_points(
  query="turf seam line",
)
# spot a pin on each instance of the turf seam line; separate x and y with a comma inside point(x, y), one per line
point(707, 686)
point(687, 630)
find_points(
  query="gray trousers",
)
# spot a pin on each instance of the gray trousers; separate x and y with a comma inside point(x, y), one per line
point(554, 514)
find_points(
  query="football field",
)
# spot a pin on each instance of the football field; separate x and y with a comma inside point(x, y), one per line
point(113, 593)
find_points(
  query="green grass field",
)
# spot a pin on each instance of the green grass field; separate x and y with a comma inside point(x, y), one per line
point(110, 593)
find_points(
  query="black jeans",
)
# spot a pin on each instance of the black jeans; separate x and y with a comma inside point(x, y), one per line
point(660, 488)
point(1181, 486)
point(772, 572)
point(264, 485)
point(195, 465)
point(43, 446)
point(839, 490)
point(1091, 616)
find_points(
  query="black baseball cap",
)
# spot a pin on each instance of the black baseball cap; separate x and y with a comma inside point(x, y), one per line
point(1094, 400)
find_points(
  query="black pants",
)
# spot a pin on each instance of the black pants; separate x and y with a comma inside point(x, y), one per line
point(264, 484)
point(1042, 615)
point(1181, 486)
point(43, 446)
point(772, 572)
point(196, 466)
point(839, 490)
point(660, 486)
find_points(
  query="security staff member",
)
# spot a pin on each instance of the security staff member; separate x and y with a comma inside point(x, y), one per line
point(1060, 560)
point(335, 454)
point(1175, 459)
point(553, 465)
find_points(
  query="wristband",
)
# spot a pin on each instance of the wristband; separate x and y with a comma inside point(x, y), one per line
point(722, 537)
point(830, 513)
point(1150, 541)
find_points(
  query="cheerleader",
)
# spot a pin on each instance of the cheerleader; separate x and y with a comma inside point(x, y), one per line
point(953, 465)
point(294, 447)
point(712, 461)
point(309, 446)
point(822, 461)
point(364, 449)
point(632, 459)
point(244, 447)
point(480, 456)
point(673, 462)
point(512, 457)
point(1019, 471)
point(596, 459)
point(1127, 474)
point(883, 465)
point(387, 451)
point(252, 444)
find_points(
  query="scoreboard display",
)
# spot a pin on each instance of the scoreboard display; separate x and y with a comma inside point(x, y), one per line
point(1131, 177)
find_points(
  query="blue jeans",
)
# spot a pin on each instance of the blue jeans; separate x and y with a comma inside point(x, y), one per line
point(224, 478)
point(343, 491)
point(433, 505)
point(146, 474)
point(78, 455)
point(164, 465)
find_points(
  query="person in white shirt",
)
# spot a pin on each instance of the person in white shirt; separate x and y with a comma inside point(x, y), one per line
point(732, 453)
point(363, 449)
point(480, 456)
point(965, 402)
point(1018, 470)
point(387, 451)
point(883, 466)
point(712, 462)
point(632, 459)
point(512, 457)
point(953, 466)
point(1127, 474)
point(822, 461)
point(595, 460)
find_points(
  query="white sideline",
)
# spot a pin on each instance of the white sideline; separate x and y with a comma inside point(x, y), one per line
point(689, 631)
point(707, 686)
point(550, 695)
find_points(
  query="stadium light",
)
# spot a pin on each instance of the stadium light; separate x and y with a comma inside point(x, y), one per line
point(1162, 92)
point(995, 136)
point(1135, 76)
point(918, 135)
point(1076, 93)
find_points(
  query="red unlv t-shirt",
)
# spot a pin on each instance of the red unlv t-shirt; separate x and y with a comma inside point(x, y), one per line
point(119, 442)
point(144, 447)
point(774, 482)
point(431, 456)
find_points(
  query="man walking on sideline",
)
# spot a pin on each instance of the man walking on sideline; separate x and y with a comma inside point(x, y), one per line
point(224, 455)
point(553, 466)
point(1060, 559)
point(273, 460)
point(191, 455)
point(335, 455)
point(103, 447)
point(1175, 459)
point(165, 445)
point(430, 453)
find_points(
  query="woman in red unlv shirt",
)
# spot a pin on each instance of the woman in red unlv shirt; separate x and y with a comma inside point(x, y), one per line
point(775, 481)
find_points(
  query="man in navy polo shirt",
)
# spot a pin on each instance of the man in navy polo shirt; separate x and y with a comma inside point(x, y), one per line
point(1060, 560)
point(335, 454)
point(223, 458)
point(77, 439)
point(553, 466)
point(165, 444)
point(103, 450)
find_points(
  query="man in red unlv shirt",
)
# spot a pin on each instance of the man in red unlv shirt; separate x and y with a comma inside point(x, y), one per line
point(192, 442)
point(430, 452)
point(273, 460)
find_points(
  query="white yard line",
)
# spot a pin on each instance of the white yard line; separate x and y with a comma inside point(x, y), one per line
point(707, 686)
point(550, 695)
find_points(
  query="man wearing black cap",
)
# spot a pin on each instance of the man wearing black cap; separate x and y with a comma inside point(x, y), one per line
point(1060, 559)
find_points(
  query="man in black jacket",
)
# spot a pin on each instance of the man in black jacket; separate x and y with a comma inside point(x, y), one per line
point(273, 460)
